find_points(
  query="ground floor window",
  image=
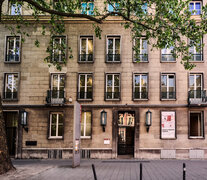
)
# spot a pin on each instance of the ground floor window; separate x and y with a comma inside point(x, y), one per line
point(86, 124)
point(196, 125)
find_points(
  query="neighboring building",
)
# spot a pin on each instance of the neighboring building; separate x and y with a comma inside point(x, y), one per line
point(103, 75)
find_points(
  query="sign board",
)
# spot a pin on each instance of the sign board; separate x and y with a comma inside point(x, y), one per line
point(106, 141)
point(168, 125)
point(76, 134)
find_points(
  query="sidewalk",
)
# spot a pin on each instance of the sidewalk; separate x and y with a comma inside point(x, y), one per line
point(120, 169)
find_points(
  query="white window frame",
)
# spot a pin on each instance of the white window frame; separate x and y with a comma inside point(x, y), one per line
point(85, 85)
point(15, 13)
point(84, 125)
point(6, 83)
point(57, 124)
point(195, 52)
point(60, 38)
point(168, 87)
point(13, 49)
point(195, 83)
point(112, 86)
point(140, 88)
point(88, 10)
point(140, 48)
point(114, 47)
point(194, 2)
point(167, 54)
point(58, 84)
point(85, 38)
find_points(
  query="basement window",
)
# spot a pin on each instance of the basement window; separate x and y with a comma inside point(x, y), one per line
point(196, 125)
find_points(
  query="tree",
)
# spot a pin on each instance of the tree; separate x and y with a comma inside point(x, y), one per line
point(164, 24)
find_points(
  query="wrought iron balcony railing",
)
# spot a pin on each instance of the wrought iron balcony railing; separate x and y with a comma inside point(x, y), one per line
point(140, 95)
point(113, 95)
point(141, 58)
point(85, 95)
point(167, 58)
point(12, 58)
point(58, 57)
point(10, 95)
point(55, 97)
point(197, 97)
point(113, 58)
point(86, 58)
point(197, 57)
point(168, 95)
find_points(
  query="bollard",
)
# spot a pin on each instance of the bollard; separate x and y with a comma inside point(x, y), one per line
point(94, 172)
point(184, 171)
point(140, 173)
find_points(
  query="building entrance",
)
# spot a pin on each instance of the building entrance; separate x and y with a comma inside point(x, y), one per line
point(126, 133)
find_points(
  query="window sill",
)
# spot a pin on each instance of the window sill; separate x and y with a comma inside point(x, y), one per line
point(196, 137)
point(196, 61)
point(12, 62)
point(140, 99)
point(112, 99)
point(168, 61)
point(168, 99)
point(55, 138)
point(85, 62)
point(88, 100)
point(113, 62)
point(86, 137)
point(140, 61)
point(10, 100)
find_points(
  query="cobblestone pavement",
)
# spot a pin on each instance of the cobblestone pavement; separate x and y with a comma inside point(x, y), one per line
point(107, 170)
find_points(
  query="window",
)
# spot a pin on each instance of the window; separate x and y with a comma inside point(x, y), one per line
point(86, 124)
point(168, 86)
point(113, 49)
point(140, 86)
point(196, 55)
point(113, 7)
point(195, 86)
point(59, 48)
point(195, 7)
point(11, 86)
point(85, 86)
point(168, 54)
point(15, 9)
point(12, 49)
point(86, 49)
point(140, 50)
point(87, 7)
point(196, 125)
point(56, 125)
point(112, 86)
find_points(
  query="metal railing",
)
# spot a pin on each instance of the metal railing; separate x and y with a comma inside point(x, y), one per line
point(112, 95)
point(113, 58)
point(85, 95)
point(12, 58)
point(141, 58)
point(10, 95)
point(197, 96)
point(167, 58)
point(55, 97)
point(58, 57)
point(85, 57)
point(140, 95)
point(168, 95)
point(197, 57)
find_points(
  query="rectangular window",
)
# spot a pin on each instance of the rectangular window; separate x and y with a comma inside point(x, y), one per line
point(12, 49)
point(59, 48)
point(140, 50)
point(86, 124)
point(196, 125)
point(56, 125)
point(196, 54)
point(168, 86)
point(57, 85)
point(195, 86)
point(140, 90)
point(113, 7)
point(15, 9)
point(195, 7)
point(85, 86)
point(11, 82)
point(168, 54)
point(87, 7)
point(112, 86)
point(113, 49)
point(86, 49)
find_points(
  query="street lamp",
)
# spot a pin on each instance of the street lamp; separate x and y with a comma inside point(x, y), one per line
point(103, 119)
point(23, 119)
point(148, 121)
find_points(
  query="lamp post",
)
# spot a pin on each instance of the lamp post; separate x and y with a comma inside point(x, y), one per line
point(23, 119)
point(103, 119)
point(148, 121)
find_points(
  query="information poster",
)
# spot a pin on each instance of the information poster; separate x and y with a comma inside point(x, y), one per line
point(168, 125)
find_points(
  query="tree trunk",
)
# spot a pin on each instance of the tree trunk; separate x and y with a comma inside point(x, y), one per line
point(5, 161)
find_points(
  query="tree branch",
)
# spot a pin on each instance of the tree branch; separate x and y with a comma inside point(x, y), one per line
point(1, 2)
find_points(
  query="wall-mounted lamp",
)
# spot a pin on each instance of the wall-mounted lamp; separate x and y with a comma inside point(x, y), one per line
point(148, 121)
point(103, 119)
point(23, 119)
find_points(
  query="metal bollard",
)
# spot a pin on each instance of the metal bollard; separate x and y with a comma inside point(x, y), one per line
point(184, 171)
point(94, 172)
point(140, 173)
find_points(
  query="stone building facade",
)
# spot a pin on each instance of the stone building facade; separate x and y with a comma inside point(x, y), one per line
point(102, 76)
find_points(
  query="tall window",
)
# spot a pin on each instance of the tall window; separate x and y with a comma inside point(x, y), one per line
point(56, 125)
point(86, 124)
point(140, 90)
point(112, 86)
point(113, 7)
point(197, 54)
point(57, 86)
point(168, 86)
point(85, 86)
point(195, 7)
point(140, 50)
point(196, 125)
point(12, 49)
point(195, 85)
point(59, 48)
point(168, 54)
point(15, 9)
point(86, 49)
point(113, 49)
point(11, 86)
point(87, 7)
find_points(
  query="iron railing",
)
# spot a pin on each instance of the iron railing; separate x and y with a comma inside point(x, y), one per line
point(140, 95)
point(10, 95)
point(197, 57)
point(167, 58)
point(197, 96)
point(168, 95)
point(113, 58)
point(112, 95)
point(85, 95)
point(12, 58)
point(55, 97)
point(141, 58)
point(58, 57)
point(85, 57)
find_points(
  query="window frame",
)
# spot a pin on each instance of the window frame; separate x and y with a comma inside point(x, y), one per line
point(194, 50)
point(194, 2)
point(114, 5)
point(7, 49)
point(168, 74)
point(134, 53)
point(88, 10)
point(84, 132)
point(174, 61)
point(202, 125)
point(202, 83)
point(10, 9)
point(78, 87)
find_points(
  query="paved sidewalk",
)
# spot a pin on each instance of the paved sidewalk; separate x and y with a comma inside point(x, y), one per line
point(119, 169)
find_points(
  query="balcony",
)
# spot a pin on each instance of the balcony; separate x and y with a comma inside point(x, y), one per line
point(197, 57)
point(197, 97)
point(141, 58)
point(85, 96)
point(167, 58)
point(12, 58)
point(168, 95)
point(58, 57)
point(10, 95)
point(55, 97)
point(113, 58)
point(140, 95)
point(86, 58)
point(112, 95)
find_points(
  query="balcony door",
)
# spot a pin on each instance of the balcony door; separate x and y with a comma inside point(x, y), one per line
point(196, 86)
